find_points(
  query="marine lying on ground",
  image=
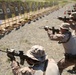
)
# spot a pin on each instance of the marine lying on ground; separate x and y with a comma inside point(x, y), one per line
point(67, 12)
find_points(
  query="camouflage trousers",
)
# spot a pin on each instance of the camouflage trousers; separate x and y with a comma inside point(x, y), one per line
point(66, 62)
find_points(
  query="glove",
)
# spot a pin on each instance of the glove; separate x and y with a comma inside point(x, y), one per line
point(10, 54)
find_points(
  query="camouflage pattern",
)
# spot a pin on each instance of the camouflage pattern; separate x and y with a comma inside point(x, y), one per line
point(69, 47)
point(17, 70)
point(40, 63)
point(37, 52)
point(52, 69)
point(65, 26)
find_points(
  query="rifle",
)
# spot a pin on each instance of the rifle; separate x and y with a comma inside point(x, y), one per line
point(19, 54)
point(65, 19)
point(52, 29)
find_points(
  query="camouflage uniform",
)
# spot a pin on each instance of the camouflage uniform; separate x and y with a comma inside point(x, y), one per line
point(17, 70)
point(36, 53)
point(72, 22)
point(69, 43)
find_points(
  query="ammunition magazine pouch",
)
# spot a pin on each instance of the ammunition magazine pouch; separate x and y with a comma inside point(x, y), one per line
point(70, 56)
